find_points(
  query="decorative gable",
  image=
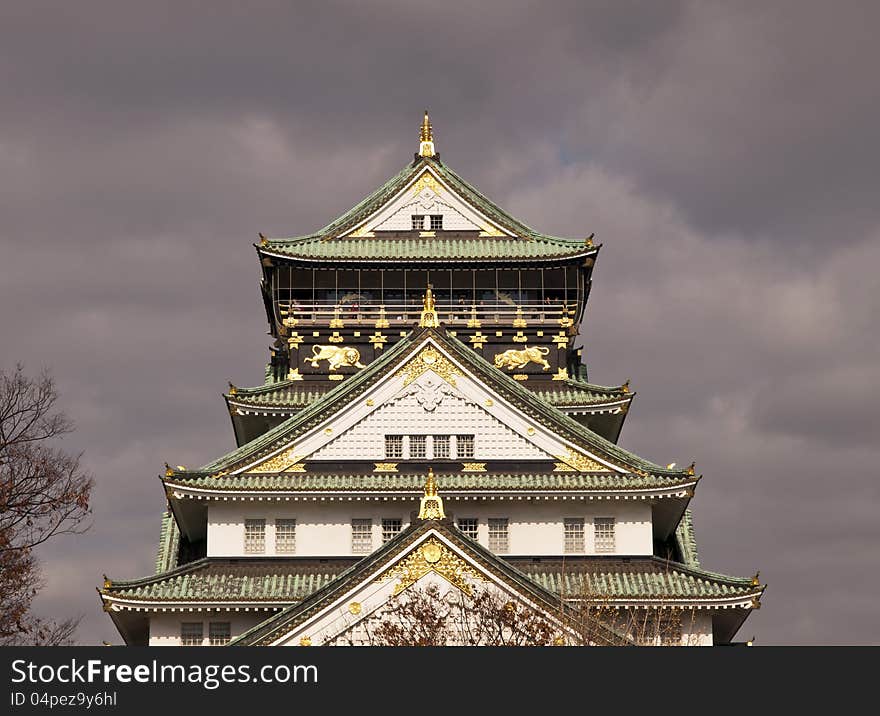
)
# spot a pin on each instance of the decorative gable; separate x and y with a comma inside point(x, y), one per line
point(429, 394)
point(430, 406)
point(427, 196)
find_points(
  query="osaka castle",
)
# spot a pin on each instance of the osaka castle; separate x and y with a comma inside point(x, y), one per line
point(427, 430)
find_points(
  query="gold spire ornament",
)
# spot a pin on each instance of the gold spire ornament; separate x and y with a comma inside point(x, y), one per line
point(431, 505)
point(428, 318)
point(426, 138)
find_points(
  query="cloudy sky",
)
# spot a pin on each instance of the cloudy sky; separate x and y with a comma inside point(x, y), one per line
point(725, 154)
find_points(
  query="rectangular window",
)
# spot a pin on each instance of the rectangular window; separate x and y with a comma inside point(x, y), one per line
point(254, 536)
point(441, 446)
point(436, 222)
point(418, 446)
point(394, 447)
point(362, 536)
point(464, 446)
point(574, 535)
point(418, 222)
point(390, 529)
point(498, 537)
point(468, 526)
point(603, 534)
point(285, 536)
point(219, 633)
point(191, 633)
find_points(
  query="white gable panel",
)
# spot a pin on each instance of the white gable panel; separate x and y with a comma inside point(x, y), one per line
point(427, 195)
point(453, 219)
point(430, 407)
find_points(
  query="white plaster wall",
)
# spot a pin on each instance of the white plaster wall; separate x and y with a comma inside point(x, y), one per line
point(324, 528)
point(492, 439)
point(401, 220)
point(165, 626)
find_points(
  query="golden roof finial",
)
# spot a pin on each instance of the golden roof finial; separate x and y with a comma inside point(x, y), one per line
point(692, 468)
point(431, 506)
point(589, 240)
point(428, 319)
point(426, 138)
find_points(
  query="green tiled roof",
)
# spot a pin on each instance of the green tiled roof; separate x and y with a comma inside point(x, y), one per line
point(212, 579)
point(686, 540)
point(415, 482)
point(169, 541)
point(292, 394)
point(326, 243)
point(634, 577)
point(290, 580)
point(427, 249)
point(528, 402)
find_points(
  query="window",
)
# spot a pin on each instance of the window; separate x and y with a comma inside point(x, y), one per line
point(436, 222)
point(603, 534)
point(468, 526)
point(464, 446)
point(191, 633)
point(390, 529)
point(418, 446)
point(498, 538)
point(574, 535)
point(441, 446)
point(254, 536)
point(219, 633)
point(362, 536)
point(418, 222)
point(285, 536)
point(394, 446)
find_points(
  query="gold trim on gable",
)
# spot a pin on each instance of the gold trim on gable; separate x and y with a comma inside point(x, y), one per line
point(432, 556)
point(429, 359)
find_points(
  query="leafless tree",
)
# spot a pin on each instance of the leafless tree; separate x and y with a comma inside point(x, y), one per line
point(44, 492)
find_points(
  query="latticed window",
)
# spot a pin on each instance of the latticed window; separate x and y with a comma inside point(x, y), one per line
point(574, 535)
point(464, 446)
point(603, 530)
point(394, 446)
point(362, 536)
point(390, 529)
point(436, 222)
point(254, 536)
point(468, 526)
point(499, 540)
point(441, 446)
point(418, 222)
point(191, 633)
point(285, 536)
point(418, 446)
point(219, 633)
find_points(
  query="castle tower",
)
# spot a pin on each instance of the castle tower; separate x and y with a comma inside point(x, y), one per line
point(424, 343)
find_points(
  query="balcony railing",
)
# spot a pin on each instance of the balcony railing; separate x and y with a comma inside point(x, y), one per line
point(397, 314)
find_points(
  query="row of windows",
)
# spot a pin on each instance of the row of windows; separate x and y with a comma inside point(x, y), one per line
point(193, 633)
point(573, 531)
point(362, 534)
point(429, 447)
point(418, 222)
point(255, 536)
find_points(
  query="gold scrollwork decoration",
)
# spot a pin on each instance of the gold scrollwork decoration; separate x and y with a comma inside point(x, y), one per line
point(432, 556)
point(580, 462)
point(429, 359)
point(282, 462)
